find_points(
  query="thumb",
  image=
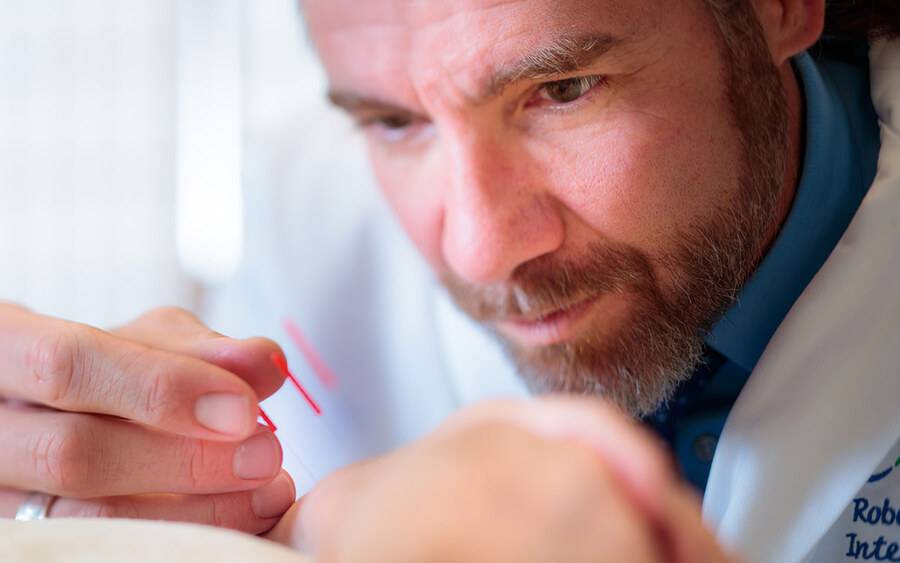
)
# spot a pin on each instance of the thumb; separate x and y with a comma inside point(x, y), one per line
point(313, 524)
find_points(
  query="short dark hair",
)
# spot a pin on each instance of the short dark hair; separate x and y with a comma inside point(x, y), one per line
point(862, 19)
point(844, 19)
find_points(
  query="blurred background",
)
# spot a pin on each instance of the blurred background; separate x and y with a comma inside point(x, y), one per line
point(125, 130)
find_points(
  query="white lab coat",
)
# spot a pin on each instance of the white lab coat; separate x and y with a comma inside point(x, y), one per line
point(821, 412)
point(819, 416)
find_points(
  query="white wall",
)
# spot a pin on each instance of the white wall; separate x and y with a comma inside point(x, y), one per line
point(100, 124)
point(86, 157)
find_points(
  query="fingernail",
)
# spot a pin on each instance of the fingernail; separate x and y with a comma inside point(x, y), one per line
point(223, 412)
point(258, 458)
point(274, 499)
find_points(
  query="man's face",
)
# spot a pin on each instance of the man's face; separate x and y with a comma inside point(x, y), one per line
point(575, 171)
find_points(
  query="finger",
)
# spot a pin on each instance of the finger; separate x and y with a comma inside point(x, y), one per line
point(249, 511)
point(317, 516)
point(181, 332)
point(85, 456)
point(287, 530)
point(69, 366)
point(686, 536)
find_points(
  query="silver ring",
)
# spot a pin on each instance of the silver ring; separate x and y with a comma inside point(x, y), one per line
point(36, 506)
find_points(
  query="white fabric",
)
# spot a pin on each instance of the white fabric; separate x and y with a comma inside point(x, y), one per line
point(114, 541)
point(820, 411)
point(871, 516)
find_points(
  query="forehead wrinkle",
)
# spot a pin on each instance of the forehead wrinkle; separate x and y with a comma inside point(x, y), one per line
point(415, 8)
point(349, 84)
point(448, 63)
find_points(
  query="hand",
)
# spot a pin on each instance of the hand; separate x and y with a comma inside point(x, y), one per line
point(107, 420)
point(547, 481)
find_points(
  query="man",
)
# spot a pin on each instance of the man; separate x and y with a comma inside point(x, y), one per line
point(595, 183)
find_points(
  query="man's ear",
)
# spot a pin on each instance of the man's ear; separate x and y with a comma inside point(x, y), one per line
point(791, 26)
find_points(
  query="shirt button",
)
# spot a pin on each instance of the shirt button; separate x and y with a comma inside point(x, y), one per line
point(704, 447)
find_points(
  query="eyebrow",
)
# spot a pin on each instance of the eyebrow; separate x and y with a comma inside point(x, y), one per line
point(356, 104)
point(564, 55)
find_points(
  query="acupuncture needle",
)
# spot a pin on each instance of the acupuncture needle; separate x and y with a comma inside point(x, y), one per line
point(281, 363)
point(320, 368)
point(267, 420)
point(290, 450)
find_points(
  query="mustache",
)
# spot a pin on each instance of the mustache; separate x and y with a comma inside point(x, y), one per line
point(551, 283)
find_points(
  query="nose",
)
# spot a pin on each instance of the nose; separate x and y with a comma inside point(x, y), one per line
point(496, 215)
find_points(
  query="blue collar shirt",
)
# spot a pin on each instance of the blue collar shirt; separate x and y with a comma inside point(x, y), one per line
point(840, 160)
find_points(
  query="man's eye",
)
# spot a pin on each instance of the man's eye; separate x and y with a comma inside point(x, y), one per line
point(392, 122)
point(394, 128)
point(387, 122)
point(568, 90)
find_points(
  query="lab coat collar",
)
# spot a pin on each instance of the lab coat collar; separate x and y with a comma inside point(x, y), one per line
point(820, 410)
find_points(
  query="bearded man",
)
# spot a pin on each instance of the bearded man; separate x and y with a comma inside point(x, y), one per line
point(658, 207)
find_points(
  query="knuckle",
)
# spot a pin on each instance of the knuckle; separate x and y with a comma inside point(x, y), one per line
point(200, 465)
point(481, 415)
point(230, 511)
point(119, 507)
point(169, 316)
point(580, 480)
point(583, 463)
point(196, 464)
point(54, 362)
point(97, 509)
point(217, 512)
point(154, 397)
point(157, 397)
point(61, 459)
point(123, 507)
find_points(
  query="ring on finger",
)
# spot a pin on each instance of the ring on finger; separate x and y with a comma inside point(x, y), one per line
point(36, 506)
